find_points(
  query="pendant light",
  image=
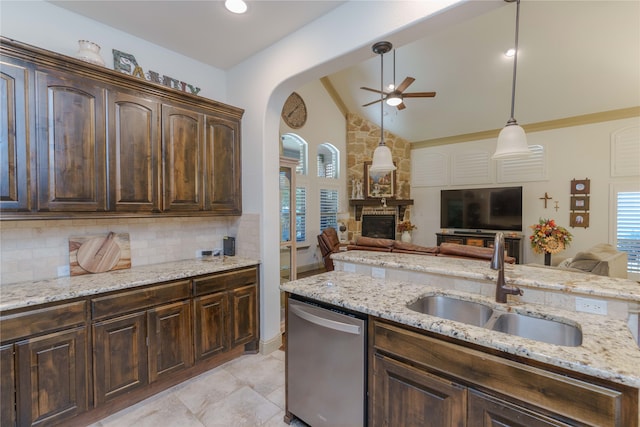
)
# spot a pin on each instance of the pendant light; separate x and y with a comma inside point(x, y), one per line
point(512, 141)
point(382, 162)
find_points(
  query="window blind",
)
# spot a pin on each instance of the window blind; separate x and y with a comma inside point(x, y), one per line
point(328, 209)
point(628, 228)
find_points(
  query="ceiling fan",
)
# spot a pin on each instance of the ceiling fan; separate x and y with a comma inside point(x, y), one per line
point(396, 96)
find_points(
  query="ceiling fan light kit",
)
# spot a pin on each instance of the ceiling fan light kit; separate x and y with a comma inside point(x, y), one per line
point(512, 141)
point(235, 6)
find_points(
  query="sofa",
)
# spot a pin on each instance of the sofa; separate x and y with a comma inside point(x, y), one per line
point(329, 243)
point(602, 259)
point(444, 250)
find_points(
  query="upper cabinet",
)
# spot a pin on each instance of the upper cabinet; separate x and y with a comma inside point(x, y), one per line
point(79, 140)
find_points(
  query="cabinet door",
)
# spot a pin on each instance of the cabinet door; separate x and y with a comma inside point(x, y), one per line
point(71, 138)
point(7, 386)
point(243, 314)
point(52, 377)
point(406, 396)
point(182, 149)
point(211, 327)
point(169, 339)
point(134, 153)
point(120, 356)
point(14, 145)
point(223, 191)
point(488, 411)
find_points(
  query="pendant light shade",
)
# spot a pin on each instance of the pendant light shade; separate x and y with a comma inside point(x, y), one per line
point(512, 141)
point(382, 162)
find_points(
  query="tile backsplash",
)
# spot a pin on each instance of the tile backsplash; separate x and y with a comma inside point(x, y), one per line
point(35, 250)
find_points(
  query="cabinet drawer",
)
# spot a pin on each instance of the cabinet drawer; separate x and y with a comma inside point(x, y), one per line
point(475, 242)
point(139, 299)
point(230, 280)
point(579, 400)
point(42, 320)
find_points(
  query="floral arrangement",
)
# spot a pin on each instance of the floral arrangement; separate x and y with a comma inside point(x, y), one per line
point(406, 226)
point(549, 237)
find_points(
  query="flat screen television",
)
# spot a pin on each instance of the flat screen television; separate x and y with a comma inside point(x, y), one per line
point(479, 209)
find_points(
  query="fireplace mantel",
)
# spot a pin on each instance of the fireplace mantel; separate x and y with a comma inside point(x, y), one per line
point(401, 204)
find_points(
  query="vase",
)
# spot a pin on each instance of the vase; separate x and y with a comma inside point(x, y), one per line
point(405, 237)
point(89, 52)
point(547, 258)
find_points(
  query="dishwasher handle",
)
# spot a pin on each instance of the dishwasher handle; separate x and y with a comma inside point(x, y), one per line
point(325, 323)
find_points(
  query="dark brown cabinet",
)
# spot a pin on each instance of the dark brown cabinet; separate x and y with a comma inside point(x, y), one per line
point(226, 312)
point(44, 365)
point(71, 142)
point(108, 144)
point(488, 411)
point(7, 386)
point(418, 379)
point(182, 146)
point(14, 134)
point(134, 152)
point(120, 358)
point(136, 349)
point(52, 377)
point(407, 396)
point(513, 244)
point(65, 363)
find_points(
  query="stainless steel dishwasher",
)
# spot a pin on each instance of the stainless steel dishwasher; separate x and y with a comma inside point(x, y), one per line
point(326, 365)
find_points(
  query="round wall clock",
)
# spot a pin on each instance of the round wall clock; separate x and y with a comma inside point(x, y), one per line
point(294, 112)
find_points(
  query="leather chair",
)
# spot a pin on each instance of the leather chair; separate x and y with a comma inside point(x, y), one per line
point(329, 243)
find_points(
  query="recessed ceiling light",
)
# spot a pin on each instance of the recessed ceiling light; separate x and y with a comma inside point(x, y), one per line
point(510, 53)
point(235, 6)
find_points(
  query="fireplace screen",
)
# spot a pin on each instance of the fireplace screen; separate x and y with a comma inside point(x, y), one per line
point(379, 226)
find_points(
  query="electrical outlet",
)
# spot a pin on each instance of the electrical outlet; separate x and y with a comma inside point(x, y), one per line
point(589, 305)
point(203, 252)
point(63, 271)
point(350, 268)
point(378, 273)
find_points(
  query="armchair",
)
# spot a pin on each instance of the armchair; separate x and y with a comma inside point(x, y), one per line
point(329, 243)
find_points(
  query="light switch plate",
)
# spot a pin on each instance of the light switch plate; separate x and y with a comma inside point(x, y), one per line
point(350, 268)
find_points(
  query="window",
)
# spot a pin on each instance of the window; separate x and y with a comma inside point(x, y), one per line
point(328, 209)
point(285, 215)
point(328, 161)
point(628, 230)
point(301, 214)
point(295, 147)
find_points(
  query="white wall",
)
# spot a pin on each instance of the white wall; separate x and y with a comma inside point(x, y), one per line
point(325, 124)
point(44, 25)
point(576, 152)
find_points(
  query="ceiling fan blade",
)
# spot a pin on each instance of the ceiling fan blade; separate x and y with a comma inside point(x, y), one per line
point(405, 84)
point(371, 103)
point(401, 106)
point(371, 90)
point(419, 95)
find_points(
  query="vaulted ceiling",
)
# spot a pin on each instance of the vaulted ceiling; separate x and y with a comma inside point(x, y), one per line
point(576, 57)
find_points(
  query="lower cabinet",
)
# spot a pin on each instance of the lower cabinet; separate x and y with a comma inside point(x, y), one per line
point(120, 358)
point(61, 361)
point(226, 312)
point(406, 396)
point(419, 380)
point(52, 377)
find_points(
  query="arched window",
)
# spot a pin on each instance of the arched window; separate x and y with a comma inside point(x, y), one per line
point(295, 147)
point(328, 160)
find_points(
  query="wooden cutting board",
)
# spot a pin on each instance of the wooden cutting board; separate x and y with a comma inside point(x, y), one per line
point(97, 254)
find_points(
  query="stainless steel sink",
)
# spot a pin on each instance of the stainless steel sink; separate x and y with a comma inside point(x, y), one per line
point(463, 311)
point(533, 328)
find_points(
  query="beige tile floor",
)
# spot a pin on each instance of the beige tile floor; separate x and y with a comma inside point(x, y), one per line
point(248, 391)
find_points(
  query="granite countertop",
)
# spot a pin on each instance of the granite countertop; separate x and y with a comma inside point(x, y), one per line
point(530, 276)
point(24, 294)
point(608, 350)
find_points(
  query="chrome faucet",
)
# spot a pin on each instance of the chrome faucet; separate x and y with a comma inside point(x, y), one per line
point(497, 263)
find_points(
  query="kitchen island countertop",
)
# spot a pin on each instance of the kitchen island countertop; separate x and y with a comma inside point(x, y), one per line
point(608, 350)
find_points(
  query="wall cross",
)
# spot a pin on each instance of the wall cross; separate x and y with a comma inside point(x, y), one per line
point(546, 198)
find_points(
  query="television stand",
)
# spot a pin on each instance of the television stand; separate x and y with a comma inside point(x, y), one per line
point(513, 244)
